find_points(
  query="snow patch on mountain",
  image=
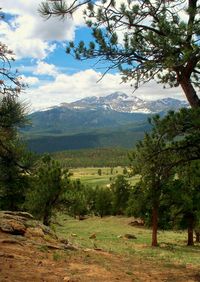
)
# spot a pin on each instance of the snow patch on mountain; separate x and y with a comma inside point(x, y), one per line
point(121, 102)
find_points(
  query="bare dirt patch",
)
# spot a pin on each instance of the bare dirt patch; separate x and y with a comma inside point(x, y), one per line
point(30, 252)
point(29, 262)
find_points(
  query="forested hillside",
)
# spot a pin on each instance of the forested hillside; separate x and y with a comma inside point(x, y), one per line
point(125, 136)
point(99, 157)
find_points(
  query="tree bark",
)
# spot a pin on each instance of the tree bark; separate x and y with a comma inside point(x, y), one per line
point(190, 241)
point(197, 233)
point(46, 220)
point(47, 216)
point(154, 242)
point(190, 93)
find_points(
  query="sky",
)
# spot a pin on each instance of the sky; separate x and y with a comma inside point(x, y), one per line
point(53, 77)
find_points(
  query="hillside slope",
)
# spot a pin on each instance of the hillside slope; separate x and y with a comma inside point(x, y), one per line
point(113, 120)
point(33, 259)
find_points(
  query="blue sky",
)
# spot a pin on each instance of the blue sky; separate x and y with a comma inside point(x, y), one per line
point(54, 77)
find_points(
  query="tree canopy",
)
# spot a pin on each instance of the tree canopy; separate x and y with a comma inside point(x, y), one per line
point(15, 160)
point(168, 161)
point(145, 40)
point(50, 183)
point(150, 159)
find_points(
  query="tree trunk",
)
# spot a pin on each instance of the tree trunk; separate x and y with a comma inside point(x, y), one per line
point(47, 216)
point(190, 241)
point(154, 242)
point(190, 93)
point(46, 220)
point(197, 233)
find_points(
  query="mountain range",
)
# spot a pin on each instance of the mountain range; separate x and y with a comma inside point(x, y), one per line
point(113, 120)
point(121, 102)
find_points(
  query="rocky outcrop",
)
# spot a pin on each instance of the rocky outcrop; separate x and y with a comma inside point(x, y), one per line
point(14, 222)
point(137, 223)
point(26, 229)
point(23, 223)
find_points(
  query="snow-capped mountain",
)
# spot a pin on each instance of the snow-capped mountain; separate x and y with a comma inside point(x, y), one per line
point(113, 110)
point(113, 120)
point(121, 102)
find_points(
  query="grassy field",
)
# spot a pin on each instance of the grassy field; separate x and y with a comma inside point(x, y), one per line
point(90, 176)
point(172, 260)
point(108, 258)
point(110, 233)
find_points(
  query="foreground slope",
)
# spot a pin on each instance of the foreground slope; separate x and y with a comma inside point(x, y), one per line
point(36, 258)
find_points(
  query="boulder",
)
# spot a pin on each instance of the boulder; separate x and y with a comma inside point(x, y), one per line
point(25, 229)
point(34, 232)
point(12, 226)
point(93, 236)
point(18, 213)
point(137, 223)
point(130, 236)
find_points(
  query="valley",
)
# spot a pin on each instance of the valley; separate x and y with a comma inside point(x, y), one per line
point(90, 176)
point(100, 141)
point(116, 120)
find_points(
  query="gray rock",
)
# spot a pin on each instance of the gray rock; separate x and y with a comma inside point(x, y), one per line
point(12, 226)
point(18, 213)
point(130, 236)
point(10, 241)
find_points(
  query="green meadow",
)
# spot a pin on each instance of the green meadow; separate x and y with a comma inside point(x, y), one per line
point(110, 231)
point(90, 176)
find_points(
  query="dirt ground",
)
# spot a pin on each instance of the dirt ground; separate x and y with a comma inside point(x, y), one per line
point(26, 262)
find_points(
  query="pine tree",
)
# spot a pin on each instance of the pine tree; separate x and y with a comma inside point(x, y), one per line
point(120, 188)
point(50, 184)
point(15, 160)
point(185, 197)
point(151, 163)
point(173, 143)
point(103, 202)
point(78, 201)
point(157, 42)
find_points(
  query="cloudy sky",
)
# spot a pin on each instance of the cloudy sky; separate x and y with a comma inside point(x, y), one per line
point(52, 75)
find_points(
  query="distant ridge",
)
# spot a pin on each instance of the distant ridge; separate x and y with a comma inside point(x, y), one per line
point(114, 120)
point(121, 102)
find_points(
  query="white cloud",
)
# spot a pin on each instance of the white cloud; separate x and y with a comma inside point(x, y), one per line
point(46, 69)
point(30, 80)
point(68, 88)
point(29, 35)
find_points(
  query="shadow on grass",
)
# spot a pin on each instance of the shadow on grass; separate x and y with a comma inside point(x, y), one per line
point(176, 247)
